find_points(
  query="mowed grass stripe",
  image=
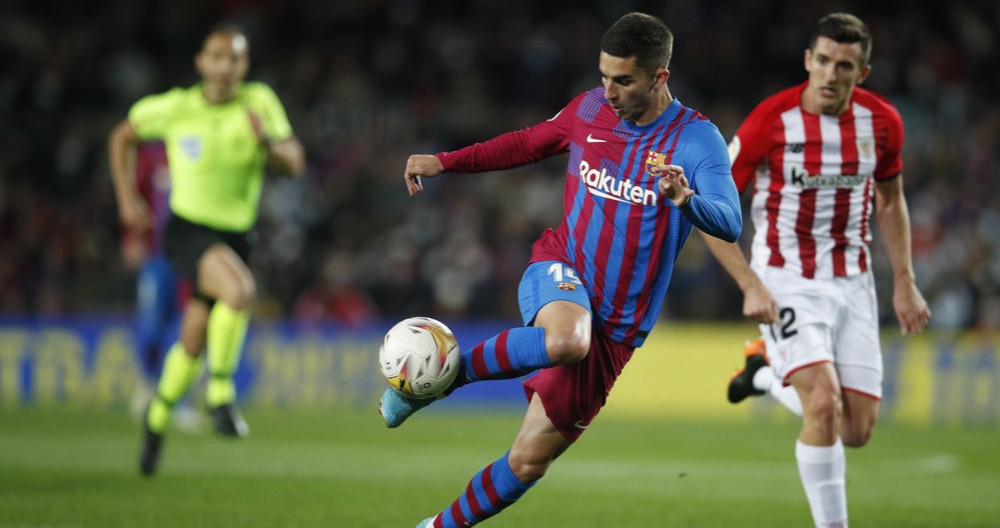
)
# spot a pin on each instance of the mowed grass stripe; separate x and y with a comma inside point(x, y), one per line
point(76, 468)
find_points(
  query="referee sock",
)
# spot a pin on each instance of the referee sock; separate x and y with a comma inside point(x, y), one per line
point(227, 330)
point(822, 470)
point(492, 489)
point(509, 354)
point(179, 372)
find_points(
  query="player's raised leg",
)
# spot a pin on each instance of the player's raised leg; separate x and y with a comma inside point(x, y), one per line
point(561, 336)
point(510, 353)
point(757, 377)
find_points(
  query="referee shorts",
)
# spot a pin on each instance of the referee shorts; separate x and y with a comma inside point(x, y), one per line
point(184, 242)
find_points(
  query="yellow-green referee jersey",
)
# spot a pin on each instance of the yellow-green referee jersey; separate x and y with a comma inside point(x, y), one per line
point(216, 162)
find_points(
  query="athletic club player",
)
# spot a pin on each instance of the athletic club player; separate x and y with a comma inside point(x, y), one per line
point(643, 169)
point(819, 151)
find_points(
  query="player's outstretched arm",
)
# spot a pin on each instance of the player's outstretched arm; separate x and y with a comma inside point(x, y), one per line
point(420, 166)
point(123, 143)
point(894, 224)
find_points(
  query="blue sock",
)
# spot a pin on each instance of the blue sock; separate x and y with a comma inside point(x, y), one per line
point(492, 489)
point(155, 312)
point(509, 354)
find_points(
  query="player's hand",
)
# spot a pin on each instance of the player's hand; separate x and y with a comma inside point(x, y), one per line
point(759, 305)
point(134, 250)
point(673, 184)
point(134, 214)
point(258, 128)
point(911, 308)
point(420, 166)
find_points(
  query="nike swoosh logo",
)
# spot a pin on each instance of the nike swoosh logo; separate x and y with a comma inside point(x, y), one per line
point(592, 139)
point(578, 425)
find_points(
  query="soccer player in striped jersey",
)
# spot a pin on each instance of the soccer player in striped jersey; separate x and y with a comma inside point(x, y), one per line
point(220, 135)
point(643, 169)
point(816, 154)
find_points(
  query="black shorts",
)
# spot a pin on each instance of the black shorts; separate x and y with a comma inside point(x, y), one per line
point(185, 242)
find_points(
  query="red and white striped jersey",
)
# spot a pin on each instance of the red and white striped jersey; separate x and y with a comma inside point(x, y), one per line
point(813, 176)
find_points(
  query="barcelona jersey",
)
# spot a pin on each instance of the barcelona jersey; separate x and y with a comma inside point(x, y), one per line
point(618, 231)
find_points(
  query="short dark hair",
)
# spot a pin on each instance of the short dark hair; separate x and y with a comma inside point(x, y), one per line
point(642, 36)
point(844, 28)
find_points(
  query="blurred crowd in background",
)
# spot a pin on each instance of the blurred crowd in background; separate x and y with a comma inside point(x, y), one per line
point(366, 83)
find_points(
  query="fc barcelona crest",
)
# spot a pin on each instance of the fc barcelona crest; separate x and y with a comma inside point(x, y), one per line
point(566, 286)
point(653, 159)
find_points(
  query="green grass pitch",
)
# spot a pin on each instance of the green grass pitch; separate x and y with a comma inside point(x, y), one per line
point(75, 468)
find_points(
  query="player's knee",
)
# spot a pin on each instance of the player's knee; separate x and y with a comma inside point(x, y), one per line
point(246, 297)
point(241, 297)
point(566, 344)
point(824, 406)
point(193, 343)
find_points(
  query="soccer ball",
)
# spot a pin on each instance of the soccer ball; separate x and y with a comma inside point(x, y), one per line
point(419, 357)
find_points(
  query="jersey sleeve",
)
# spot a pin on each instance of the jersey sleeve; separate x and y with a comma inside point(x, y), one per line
point(715, 206)
point(517, 148)
point(749, 147)
point(890, 163)
point(265, 103)
point(150, 116)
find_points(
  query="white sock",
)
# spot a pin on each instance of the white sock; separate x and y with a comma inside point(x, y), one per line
point(822, 470)
point(788, 396)
point(765, 380)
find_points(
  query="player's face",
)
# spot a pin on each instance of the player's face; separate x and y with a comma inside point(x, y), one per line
point(224, 59)
point(628, 88)
point(834, 70)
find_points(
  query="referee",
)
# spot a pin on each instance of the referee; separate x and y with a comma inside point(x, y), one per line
point(220, 134)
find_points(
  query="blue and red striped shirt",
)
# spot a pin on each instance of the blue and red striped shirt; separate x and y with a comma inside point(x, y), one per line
point(618, 232)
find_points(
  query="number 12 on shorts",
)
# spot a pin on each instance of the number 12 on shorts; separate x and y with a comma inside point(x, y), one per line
point(786, 317)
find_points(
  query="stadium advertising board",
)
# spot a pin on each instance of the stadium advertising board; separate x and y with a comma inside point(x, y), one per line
point(680, 372)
